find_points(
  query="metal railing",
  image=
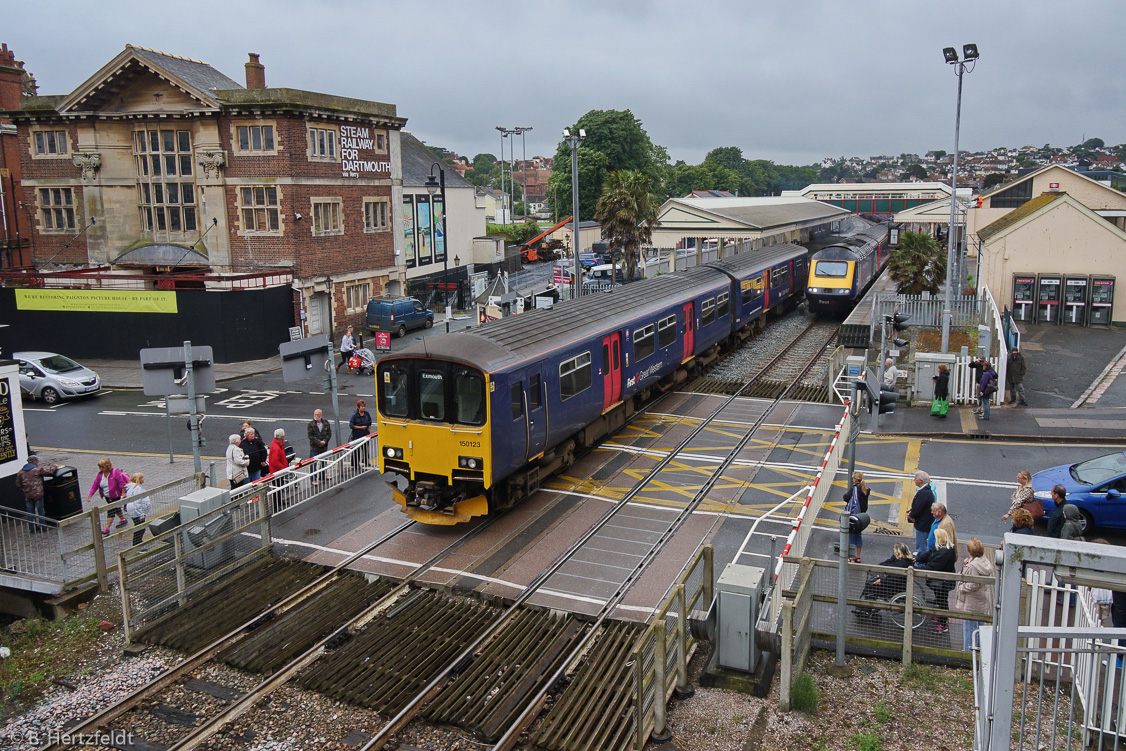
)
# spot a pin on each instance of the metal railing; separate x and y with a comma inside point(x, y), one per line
point(796, 635)
point(798, 539)
point(926, 309)
point(660, 657)
point(159, 575)
point(72, 552)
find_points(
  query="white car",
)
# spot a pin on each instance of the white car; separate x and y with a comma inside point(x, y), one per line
point(50, 377)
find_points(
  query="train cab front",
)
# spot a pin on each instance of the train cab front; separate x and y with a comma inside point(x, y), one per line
point(433, 433)
point(831, 284)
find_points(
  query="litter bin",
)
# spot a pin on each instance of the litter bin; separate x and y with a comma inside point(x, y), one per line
point(61, 496)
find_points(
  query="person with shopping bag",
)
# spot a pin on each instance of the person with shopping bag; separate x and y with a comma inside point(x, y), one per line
point(1024, 497)
point(941, 404)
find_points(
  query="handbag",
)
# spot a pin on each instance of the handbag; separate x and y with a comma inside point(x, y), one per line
point(939, 407)
point(1034, 507)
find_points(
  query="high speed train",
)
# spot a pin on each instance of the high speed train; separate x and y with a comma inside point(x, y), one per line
point(473, 421)
point(845, 265)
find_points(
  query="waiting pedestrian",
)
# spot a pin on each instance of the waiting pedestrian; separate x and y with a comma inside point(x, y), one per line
point(891, 373)
point(920, 512)
point(941, 390)
point(277, 458)
point(140, 508)
point(254, 448)
point(883, 586)
point(360, 424)
point(246, 425)
point(986, 380)
point(1024, 495)
point(237, 462)
point(974, 597)
point(29, 480)
point(110, 484)
point(856, 502)
point(347, 347)
point(942, 557)
point(320, 433)
point(1022, 522)
point(943, 521)
point(1065, 522)
point(1014, 376)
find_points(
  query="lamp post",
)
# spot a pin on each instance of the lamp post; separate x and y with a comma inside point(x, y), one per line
point(573, 141)
point(433, 186)
point(523, 164)
point(969, 57)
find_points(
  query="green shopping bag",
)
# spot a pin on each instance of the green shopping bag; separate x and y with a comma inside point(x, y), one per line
point(939, 407)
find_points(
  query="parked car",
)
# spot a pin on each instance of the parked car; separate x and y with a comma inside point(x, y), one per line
point(398, 315)
point(1094, 486)
point(589, 260)
point(50, 377)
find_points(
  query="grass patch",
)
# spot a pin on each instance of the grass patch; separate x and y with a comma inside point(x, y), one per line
point(932, 678)
point(883, 713)
point(44, 651)
point(867, 742)
point(805, 696)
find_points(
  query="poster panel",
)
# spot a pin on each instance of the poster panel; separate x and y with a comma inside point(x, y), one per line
point(439, 230)
point(408, 232)
point(97, 300)
point(422, 222)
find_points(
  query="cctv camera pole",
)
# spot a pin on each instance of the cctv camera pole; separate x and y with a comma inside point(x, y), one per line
point(193, 423)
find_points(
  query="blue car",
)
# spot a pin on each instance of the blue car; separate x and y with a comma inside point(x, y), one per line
point(1094, 486)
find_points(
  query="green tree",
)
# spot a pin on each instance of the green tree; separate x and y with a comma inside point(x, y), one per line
point(915, 170)
point(614, 141)
point(996, 178)
point(484, 170)
point(918, 265)
point(730, 157)
point(627, 211)
point(1094, 143)
point(794, 178)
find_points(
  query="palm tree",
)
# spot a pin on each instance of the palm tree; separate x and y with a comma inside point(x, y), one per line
point(918, 265)
point(627, 211)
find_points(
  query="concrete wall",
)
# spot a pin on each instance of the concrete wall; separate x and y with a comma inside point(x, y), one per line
point(1063, 240)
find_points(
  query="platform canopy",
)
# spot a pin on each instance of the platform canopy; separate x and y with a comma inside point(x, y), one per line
point(935, 212)
point(738, 217)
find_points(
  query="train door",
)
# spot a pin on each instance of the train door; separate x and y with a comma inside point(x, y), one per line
point(689, 330)
point(611, 370)
point(529, 418)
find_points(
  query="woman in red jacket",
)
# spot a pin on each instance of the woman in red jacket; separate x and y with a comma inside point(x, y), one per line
point(277, 460)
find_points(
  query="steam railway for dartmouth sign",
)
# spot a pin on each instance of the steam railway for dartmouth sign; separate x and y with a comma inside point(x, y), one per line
point(354, 142)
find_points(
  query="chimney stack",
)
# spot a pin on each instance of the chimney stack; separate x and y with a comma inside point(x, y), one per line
point(11, 80)
point(255, 73)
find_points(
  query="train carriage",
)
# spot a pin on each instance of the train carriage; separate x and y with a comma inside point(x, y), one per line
point(473, 420)
point(844, 267)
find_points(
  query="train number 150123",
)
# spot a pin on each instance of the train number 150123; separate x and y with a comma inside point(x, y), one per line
point(471, 444)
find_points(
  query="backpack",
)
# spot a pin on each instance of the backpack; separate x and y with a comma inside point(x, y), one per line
point(990, 387)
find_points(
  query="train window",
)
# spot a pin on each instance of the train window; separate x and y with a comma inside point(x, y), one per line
point(517, 395)
point(643, 343)
point(752, 288)
point(666, 331)
point(470, 396)
point(393, 391)
point(723, 309)
point(838, 269)
point(534, 394)
point(574, 376)
point(432, 394)
point(707, 312)
point(779, 276)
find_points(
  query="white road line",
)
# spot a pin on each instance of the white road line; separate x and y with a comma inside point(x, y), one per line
point(125, 413)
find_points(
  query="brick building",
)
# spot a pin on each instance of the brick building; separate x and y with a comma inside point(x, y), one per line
point(15, 250)
point(162, 165)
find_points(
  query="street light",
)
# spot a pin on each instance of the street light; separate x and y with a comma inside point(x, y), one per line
point(433, 186)
point(573, 141)
point(970, 56)
point(523, 164)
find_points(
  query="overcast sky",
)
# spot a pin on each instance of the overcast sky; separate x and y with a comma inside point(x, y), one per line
point(792, 81)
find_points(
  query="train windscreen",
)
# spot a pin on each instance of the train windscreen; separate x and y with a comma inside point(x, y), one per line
point(431, 390)
point(832, 269)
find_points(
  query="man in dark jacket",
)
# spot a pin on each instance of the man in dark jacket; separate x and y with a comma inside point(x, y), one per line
point(255, 450)
point(320, 433)
point(1064, 522)
point(920, 514)
point(1014, 374)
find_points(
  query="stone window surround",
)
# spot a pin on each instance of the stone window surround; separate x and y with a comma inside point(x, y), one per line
point(48, 129)
point(239, 206)
point(245, 122)
point(309, 128)
point(338, 202)
point(41, 208)
point(377, 199)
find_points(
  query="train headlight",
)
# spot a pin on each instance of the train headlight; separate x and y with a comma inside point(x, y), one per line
point(393, 453)
point(469, 462)
point(843, 291)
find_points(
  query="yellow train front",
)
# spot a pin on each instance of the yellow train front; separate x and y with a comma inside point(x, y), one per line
point(841, 271)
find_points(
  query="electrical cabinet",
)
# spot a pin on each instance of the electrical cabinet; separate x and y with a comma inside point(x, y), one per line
point(739, 592)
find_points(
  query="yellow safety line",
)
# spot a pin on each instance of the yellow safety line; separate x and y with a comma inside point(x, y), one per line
point(910, 466)
point(967, 418)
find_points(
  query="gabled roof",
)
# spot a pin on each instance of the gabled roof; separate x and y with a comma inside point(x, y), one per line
point(195, 78)
point(934, 212)
point(418, 159)
point(742, 213)
point(1034, 173)
point(1038, 206)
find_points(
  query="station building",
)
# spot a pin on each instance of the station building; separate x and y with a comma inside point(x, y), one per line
point(161, 166)
point(882, 199)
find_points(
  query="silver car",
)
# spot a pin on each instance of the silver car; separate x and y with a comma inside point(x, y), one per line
point(51, 377)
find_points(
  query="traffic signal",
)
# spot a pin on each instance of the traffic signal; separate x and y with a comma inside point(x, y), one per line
point(888, 398)
point(880, 396)
point(899, 321)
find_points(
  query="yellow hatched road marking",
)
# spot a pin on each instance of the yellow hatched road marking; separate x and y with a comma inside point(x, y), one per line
point(910, 466)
